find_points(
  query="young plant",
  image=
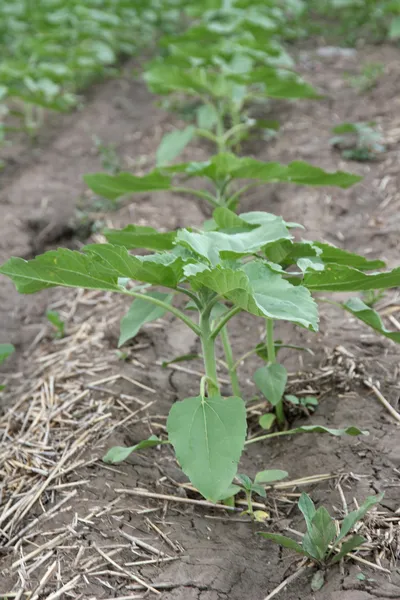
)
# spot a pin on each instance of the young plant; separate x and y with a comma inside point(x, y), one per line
point(322, 543)
point(368, 78)
point(54, 318)
point(234, 267)
point(358, 141)
point(5, 351)
point(244, 483)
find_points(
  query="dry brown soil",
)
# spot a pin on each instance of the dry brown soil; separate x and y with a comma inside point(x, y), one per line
point(219, 556)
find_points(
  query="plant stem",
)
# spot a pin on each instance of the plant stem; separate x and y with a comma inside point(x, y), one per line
point(260, 438)
point(208, 347)
point(270, 340)
point(224, 319)
point(198, 193)
point(167, 307)
point(230, 362)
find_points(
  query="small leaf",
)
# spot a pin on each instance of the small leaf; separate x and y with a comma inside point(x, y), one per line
point(113, 187)
point(141, 311)
point(121, 453)
point(5, 351)
point(317, 581)
point(135, 236)
point(271, 381)
point(347, 547)
point(207, 117)
point(256, 488)
point(181, 358)
point(230, 492)
point(266, 421)
point(173, 143)
point(394, 29)
point(284, 541)
point(54, 318)
point(245, 481)
point(208, 435)
point(270, 476)
point(321, 533)
point(307, 507)
point(260, 516)
point(370, 317)
point(356, 515)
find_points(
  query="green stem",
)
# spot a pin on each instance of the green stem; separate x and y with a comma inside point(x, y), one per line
point(236, 196)
point(270, 340)
point(208, 347)
point(224, 319)
point(198, 193)
point(167, 307)
point(230, 362)
point(269, 435)
point(249, 501)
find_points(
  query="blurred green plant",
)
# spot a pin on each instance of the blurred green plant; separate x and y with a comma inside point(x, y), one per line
point(358, 141)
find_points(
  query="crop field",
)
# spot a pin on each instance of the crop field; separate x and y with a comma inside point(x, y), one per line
point(199, 299)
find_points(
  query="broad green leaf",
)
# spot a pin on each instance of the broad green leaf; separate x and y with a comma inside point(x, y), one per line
point(266, 421)
point(207, 117)
point(321, 533)
point(141, 312)
point(356, 515)
point(270, 476)
point(285, 542)
point(279, 84)
point(5, 351)
point(173, 143)
point(227, 219)
point(321, 429)
point(136, 236)
point(341, 278)
point(307, 507)
point(271, 381)
point(157, 269)
point(116, 186)
point(347, 547)
point(118, 454)
point(214, 245)
point(369, 316)
point(208, 436)
point(230, 492)
point(257, 488)
point(59, 267)
point(244, 480)
point(260, 291)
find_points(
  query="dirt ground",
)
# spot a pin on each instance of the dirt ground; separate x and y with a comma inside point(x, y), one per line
point(65, 397)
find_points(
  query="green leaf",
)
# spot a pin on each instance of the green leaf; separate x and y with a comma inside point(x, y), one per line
point(207, 117)
point(214, 245)
point(245, 481)
point(173, 143)
point(321, 533)
point(5, 351)
point(318, 581)
point(321, 429)
point(116, 186)
point(348, 546)
point(256, 488)
point(369, 316)
point(307, 507)
point(284, 541)
point(356, 515)
point(257, 289)
point(230, 492)
point(332, 254)
point(271, 381)
point(54, 318)
point(278, 84)
point(266, 421)
point(270, 476)
point(181, 358)
point(208, 435)
point(141, 312)
point(227, 219)
point(341, 278)
point(121, 453)
point(136, 236)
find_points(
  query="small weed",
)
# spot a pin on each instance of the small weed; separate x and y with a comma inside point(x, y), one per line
point(358, 141)
point(110, 160)
point(5, 351)
point(368, 78)
point(322, 543)
point(54, 318)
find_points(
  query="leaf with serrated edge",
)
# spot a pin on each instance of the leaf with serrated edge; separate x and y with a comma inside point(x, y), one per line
point(118, 454)
point(370, 317)
point(208, 436)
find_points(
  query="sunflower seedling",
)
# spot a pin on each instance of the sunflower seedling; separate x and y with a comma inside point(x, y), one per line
point(256, 487)
point(358, 141)
point(5, 351)
point(322, 543)
point(54, 318)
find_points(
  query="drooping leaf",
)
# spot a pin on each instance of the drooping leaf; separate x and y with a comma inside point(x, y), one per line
point(5, 351)
point(266, 421)
point(135, 236)
point(271, 381)
point(332, 254)
point(369, 316)
point(285, 542)
point(356, 515)
point(116, 186)
point(173, 143)
point(118, 454)
point(341, 278)
point(321, 533)
point(208, 436)
point(336, 432)
point(271, 475)
point(55, 319)
point(260, 291)
point(231, 491)
point(307, 507)
point(347, 547)
point(140, 312)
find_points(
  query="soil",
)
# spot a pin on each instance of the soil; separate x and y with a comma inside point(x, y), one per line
point(218, 556)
